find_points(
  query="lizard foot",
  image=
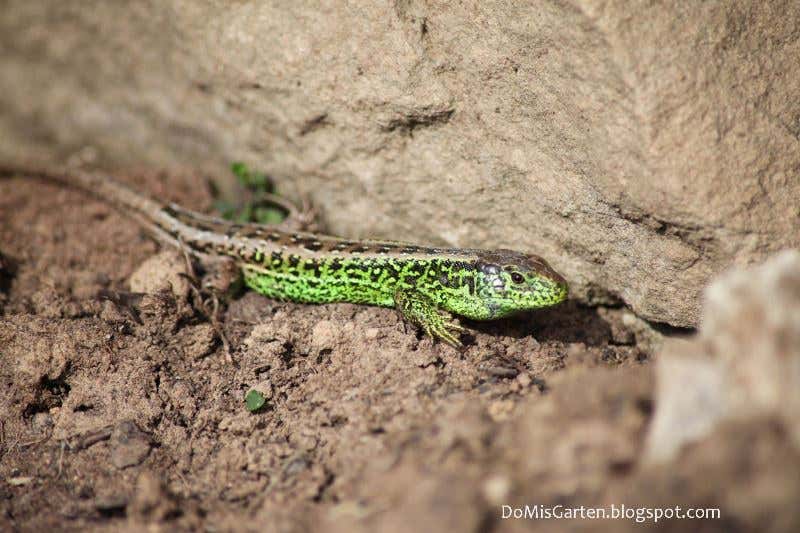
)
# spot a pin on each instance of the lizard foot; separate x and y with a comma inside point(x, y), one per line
point(419, 310)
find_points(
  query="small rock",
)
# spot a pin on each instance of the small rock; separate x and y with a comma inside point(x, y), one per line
point(324, 335)
point(688, 391)
point(265, 388)
point(19, 481)
point(42, 422)
point(165, 270)
point(502, 372)
point(199, 340)
point(129, 445)
point(648, 339)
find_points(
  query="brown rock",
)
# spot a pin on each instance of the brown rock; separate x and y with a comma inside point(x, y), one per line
point(745, 362)
point(129, 445)
point(166, 270)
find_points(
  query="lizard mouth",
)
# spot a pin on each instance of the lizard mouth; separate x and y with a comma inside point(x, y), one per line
point(503, 307)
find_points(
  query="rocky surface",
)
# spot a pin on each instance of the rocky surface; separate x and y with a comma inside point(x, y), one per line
point(640, 151)
point(744, 364)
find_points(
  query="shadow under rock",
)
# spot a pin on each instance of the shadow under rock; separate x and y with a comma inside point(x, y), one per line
point(568, 323)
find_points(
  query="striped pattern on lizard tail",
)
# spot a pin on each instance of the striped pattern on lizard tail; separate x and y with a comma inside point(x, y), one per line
point(425, 284)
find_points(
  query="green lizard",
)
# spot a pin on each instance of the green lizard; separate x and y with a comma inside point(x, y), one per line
point(427, 285)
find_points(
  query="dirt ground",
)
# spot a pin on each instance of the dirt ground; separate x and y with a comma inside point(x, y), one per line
point(120, 410)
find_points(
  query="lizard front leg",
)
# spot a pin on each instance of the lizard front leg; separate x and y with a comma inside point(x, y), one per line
point(223, 277)
point(418, 309)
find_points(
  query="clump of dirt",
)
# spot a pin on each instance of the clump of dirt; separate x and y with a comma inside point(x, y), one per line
point(122, 409)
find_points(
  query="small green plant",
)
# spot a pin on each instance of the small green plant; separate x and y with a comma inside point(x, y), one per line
point(257, 181)
point(257, 208)
point(254, 400)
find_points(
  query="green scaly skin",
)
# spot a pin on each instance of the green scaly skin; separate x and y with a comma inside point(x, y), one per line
point(470, 283)
point(426, 285)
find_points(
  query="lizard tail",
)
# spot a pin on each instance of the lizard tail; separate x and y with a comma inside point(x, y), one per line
point(99, 185)
point(147, 212)
point(168, 223)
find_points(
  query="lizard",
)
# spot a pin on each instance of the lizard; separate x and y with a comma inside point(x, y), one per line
point(427, 285)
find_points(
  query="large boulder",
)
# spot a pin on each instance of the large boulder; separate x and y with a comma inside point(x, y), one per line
point(743, 366)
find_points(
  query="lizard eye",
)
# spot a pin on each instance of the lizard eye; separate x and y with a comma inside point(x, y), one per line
point(516, 277)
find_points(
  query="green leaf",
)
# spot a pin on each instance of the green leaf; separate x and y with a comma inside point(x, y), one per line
point(239, 170)
point(268, 215)
point(254, 400)
point(259, 185)
point(255, 181)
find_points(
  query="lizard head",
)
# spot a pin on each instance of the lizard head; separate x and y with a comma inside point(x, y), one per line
point(507, 282)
